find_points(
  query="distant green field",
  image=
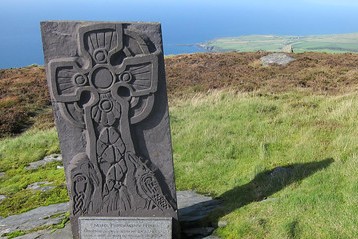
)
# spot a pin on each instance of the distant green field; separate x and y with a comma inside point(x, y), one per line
point(338, 43)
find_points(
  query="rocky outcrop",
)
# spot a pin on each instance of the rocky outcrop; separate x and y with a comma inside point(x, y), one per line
point(39, 217)
point(276, 58)
point(2, 197)
point(44, 161)
point(41, 186)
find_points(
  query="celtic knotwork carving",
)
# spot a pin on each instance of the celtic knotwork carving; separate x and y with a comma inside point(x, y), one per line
point(103, 91)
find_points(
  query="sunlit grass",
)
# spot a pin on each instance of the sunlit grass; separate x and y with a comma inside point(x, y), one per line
point(15, 154)
point(228, 145)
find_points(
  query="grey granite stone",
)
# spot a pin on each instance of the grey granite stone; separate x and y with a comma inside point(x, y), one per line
point(198, 232)
point(40, 186)
point(222, 223)
point(276, 58)
point(44, 161)
point(34, 235)
point(211, 237)
point(108, 91)
point(2, 197)
point(193, 212)
point(42, 216)
point(193, 207)
point(2, 174)
point(64, 233)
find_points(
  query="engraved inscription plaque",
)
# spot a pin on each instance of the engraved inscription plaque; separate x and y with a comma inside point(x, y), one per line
point(107, 84)
point(125, 228)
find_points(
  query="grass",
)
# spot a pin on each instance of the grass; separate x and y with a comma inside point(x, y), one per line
point(15, 154)
point(227, 145)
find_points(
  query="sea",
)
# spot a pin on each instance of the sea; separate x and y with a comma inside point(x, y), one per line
point(184, 23)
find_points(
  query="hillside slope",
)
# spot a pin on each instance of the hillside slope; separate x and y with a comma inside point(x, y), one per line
point(277, 144)
point(25, 100)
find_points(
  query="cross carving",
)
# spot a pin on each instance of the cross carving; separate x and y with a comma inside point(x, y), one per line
point(108, 87)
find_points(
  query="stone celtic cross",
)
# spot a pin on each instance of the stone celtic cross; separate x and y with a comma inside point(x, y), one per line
point(107, 84)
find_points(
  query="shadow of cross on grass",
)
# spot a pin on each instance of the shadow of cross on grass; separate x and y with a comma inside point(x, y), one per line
point(264, 185)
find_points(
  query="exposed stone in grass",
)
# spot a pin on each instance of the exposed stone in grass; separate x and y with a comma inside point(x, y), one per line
point(193, 210)
point(2, 174)
point(194, 207)
point(42, 216)
point(44, 161)
point(40, 186)
point(276, 58)
point(198, 232)
point(222, 223)
point(33, 235)
point(2, 197)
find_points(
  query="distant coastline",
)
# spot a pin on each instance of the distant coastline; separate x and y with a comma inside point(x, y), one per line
point(332, 43)
point(183, 48)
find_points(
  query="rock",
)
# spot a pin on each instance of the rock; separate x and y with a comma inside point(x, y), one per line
point(42, 216)
point(211, 237)
point(193, 211)
point(222, 223)
point(64, 233)
point(33, 235)
point(276, 58)
point(60, 234)
point(193, 208)
point(39, 186)
point(2, 197)
point(44, 161)
point(2, 174)
point(198, 232)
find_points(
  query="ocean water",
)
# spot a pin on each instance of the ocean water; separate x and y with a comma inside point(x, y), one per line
point(183, 22)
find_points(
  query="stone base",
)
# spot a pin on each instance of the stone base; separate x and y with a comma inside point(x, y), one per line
point(125, 227)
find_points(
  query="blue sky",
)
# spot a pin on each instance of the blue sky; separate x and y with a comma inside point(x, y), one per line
point(183, 22)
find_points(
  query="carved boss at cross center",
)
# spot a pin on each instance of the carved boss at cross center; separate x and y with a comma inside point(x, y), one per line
point(106, 89)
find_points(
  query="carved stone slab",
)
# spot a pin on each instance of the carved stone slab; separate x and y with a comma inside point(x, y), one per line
point(125, 228)
point(107, 84)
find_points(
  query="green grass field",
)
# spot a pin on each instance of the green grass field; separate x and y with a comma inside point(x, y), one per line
point(227, 145)
point(338, 43)
point(284, 164)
